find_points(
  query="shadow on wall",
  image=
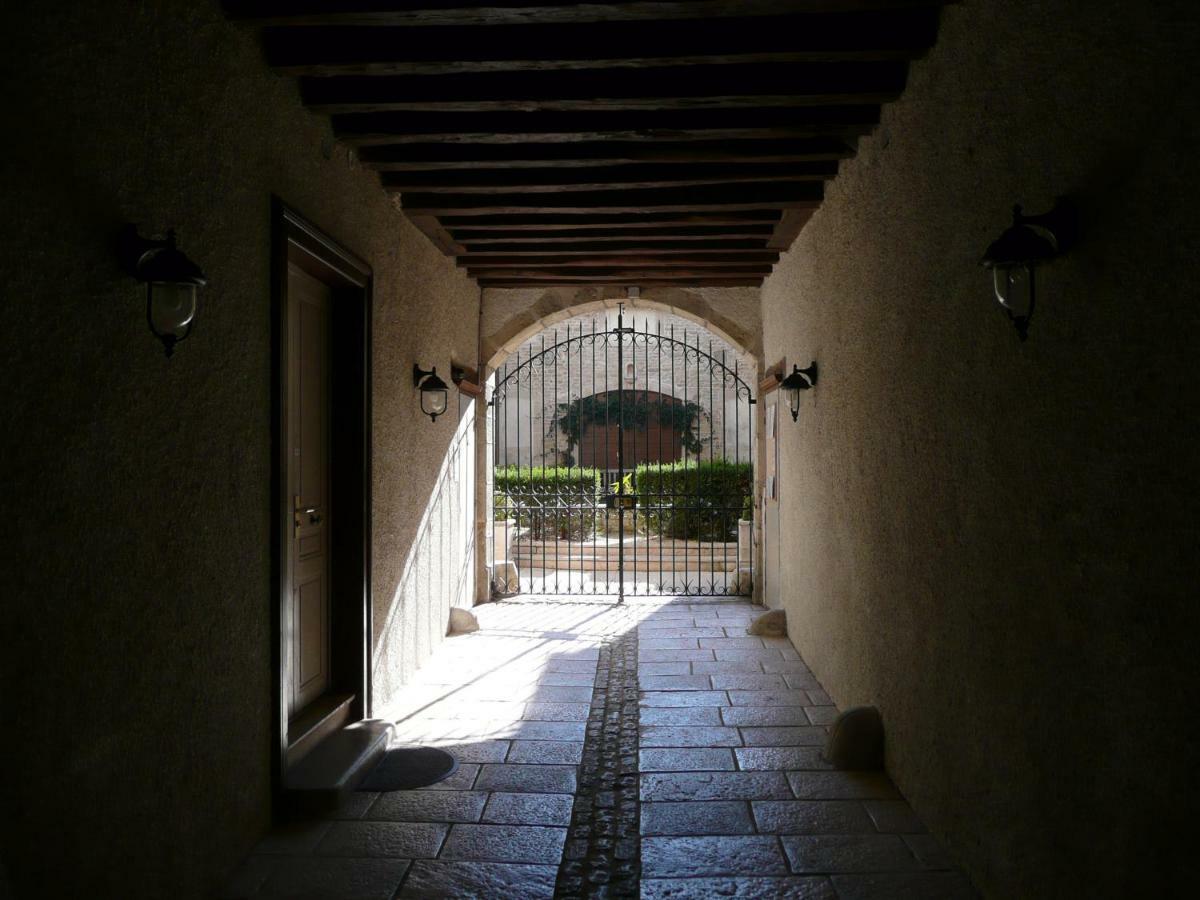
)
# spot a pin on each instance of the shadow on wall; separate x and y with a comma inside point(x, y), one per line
point(438, 574)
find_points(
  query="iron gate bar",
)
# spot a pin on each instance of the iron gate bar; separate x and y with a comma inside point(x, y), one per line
point(562, 508)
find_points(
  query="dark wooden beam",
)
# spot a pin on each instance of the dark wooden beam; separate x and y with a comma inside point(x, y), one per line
point(680, 234)
point(807, 37)
point(705, 261)
point(409, 157)
point(674, 87)
point(617, 248)
point(524, 12)
point(611, 178)
point(507, 278)
point(755, 281)
point(568, 222)
point(784, 195)
point(626, 125)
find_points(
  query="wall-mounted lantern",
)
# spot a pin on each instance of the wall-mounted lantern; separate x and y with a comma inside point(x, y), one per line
point(1015, 256)
point(171, 281)
point(799, 381)
point(435, 395)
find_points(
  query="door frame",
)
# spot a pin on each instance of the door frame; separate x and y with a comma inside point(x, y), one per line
point(296, 240)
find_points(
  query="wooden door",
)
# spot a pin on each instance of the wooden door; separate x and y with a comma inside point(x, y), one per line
point(770, 507)
point(308, 480)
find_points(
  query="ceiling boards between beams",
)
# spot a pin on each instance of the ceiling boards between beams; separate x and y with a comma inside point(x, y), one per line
point(647, 142)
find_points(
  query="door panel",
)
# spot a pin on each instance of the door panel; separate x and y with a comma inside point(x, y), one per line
point(308, 483)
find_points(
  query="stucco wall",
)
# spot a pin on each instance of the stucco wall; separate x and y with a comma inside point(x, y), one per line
point(995, 542)
point(135, 663)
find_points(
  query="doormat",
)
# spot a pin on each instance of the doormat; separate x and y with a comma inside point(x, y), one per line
point(405, 768)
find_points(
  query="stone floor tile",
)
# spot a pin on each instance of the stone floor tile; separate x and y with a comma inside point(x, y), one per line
point(665, 668)
point(354, 805)
point(785, 736)
point(439, 879)
point(480, 751)
point(645, 656)
point(842, 786)
point(248, 878)
point(704, 817)
point(928, 851)
point(818, 696)
point(393, 839)
point(563, 679)
point(518, 778)
point(768, 698)
point(680, 715)
point(831, 853)
point(821, 715)
point(336, 878)
point(529, 809)
point(677, 759)
point(794, 887)
point(461, 780)
point(727, 667)
point(660, 630)
point(505, 843)
point(904, 886)
point(748, 682)
point(545, 752)
point(729, 643)
point(894, 817)
point(467, 708)
point(560, 693)
point(556, 712)
point(787, 667)
point(671, 643)
point(674, 682)
point(811, 817)
point(696, 856)
point(587, 666)
point(428, 806)
point(764, 715)
point(683, 698)
point(293, 838)
point(757, 759)
point(747, 654)
point(689, 736)
point(714, 786)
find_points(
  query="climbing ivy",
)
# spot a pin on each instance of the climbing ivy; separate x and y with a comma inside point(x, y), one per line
point(636, 409)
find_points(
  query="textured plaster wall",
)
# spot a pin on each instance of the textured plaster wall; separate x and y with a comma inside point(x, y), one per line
point(135, 666)
point(995, 542)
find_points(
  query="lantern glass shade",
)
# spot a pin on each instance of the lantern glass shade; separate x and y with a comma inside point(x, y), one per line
point(434, 401)
point(1014, 288)
point(170, 308)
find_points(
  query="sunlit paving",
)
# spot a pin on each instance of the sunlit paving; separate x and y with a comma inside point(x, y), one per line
point(695, 771)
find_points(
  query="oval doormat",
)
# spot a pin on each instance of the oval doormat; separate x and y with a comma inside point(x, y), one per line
point(405, 768)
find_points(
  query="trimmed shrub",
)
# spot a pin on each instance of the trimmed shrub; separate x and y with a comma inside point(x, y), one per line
point(552, 502)
point(697, 501)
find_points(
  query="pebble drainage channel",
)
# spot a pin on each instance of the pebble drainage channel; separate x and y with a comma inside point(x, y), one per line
point(602, 853)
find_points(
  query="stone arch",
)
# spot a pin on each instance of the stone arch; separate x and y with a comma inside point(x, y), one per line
point(512, 316)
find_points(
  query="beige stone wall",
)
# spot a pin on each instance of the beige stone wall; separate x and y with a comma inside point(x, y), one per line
point(995, 542)
point(135, 666)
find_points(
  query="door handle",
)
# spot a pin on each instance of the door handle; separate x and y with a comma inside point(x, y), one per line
point(314, 517)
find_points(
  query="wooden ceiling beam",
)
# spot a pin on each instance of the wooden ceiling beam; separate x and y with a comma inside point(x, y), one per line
point(521, 224)
point(484, 239)
point(629, 276)
point(710, 261)
point(417, 157)
point(363, 129)
point(523, 12)
point(612, 178)
point(711, 281)
point(616, 248)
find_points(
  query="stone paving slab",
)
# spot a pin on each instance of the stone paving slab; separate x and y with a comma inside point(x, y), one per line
point(684, 698)
point(785, 736)
point(428, 806)
point(811, 817)
point(681, 715)
point(778, 758)
point(694, 856)
point(505, 843)
point(332, 878)
point(689, 736)
point(714, 786)
point(697, 818)
point(545, 752)
point(439, 879)
point(521, 778)
point(392, 839)
point(678, 759)
point(828, 853)
point(904, 886)
point(765, 715)
point(842, 786)
point(529, 809)
point(746, 888)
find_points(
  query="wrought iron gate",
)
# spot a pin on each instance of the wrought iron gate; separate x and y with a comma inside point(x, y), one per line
point(622, 464)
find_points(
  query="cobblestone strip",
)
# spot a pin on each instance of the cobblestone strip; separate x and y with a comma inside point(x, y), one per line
point(602, 853)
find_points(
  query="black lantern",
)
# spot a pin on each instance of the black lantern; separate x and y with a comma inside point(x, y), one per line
point(800, 380)
point(1015, 256)
point(435, 395)
point(171, 281)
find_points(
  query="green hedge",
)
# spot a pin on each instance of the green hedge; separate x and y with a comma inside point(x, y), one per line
point(707, 498)
point(536, 497)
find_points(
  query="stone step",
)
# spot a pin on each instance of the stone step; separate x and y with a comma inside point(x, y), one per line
point(336, 766)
